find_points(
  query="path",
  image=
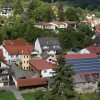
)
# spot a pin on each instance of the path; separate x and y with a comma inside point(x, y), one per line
point(14, 91)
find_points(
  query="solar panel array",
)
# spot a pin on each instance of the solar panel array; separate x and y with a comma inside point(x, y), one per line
point(84, 65)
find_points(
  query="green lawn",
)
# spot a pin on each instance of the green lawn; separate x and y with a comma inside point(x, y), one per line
point(91, 96)
point(7, 96)
point(33, 96)
point(28, 96)
point(37, 96)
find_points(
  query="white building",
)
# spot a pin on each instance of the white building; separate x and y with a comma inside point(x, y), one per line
point(4, 71)
point(42, 67)
point(47, 44)
point(91, 49)
point(6, 14)
point(52, 25)
point(13, 49)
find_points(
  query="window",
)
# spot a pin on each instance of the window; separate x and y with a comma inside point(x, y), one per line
point(5, 83)
point(49, 59)
point(24, 56)
point(27, 61)
point(27, 56)
point(45, 71)
point(24, 61)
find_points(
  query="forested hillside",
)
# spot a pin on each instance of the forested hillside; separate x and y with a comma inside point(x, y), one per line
point(90, 4)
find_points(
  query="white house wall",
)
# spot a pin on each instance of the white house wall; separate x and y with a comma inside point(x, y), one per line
point(48, 73)
point(5, 53)
point(84, 51)
point(51, 52)
point(1, 84)
point(3, 65)
point(37, 46)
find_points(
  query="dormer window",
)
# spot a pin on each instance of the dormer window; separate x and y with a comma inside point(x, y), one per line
point(55, 46)
point(45, 47)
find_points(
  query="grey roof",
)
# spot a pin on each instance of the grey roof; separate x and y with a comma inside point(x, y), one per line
point(97, 38)
point(84, 78)
point(49, 43)
point(45, 55)
point(19, 73)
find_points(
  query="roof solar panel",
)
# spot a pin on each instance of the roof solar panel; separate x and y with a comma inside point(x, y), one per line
point(84, 65)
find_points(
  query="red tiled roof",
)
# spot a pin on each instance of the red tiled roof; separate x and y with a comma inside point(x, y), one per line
point(14, 50)
point(41, 64)
point(27, 50)
point(58, 23)
point(97, 27)
point(15, 42)
point(88, 21)
point(31, 82)
point(94, 49)
point(80, 56)
point(70, 22)
point(1, 54)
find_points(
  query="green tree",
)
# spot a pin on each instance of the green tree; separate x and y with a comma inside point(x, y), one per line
point(62, 86)
point(61, 15)
point(73, 38)
point(32, 6)
point(81, 13)
point(18, 9)
point(87, 30)
point(71, 15)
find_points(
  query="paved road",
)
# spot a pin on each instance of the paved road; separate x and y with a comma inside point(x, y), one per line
point(14, 91)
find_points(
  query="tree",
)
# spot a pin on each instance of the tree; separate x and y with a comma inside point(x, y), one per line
point(61, 15)
point(32, 6)
point(71, 15)
point(87, 30)
point(81, 13)
point(73, 38)
point(62, 86)
point(18, 9)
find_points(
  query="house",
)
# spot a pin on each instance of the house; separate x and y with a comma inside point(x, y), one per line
point(85, 83)
point(42, 67)
point(90, 16)
point(12, 49)
point(31, 82)
point(47, 44)
point(90, 23)
point(7, 7)
point(59, 25)
point(26, 56)
point(91, 49)
point(51, 25)
point(87, 71)
point(96, 38)
point(6, 11)
point(4, 71)
point(49, 57)
point(45, 25)
point(71, 23)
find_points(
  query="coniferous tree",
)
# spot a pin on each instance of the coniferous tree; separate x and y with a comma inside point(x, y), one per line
point(62, 86)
